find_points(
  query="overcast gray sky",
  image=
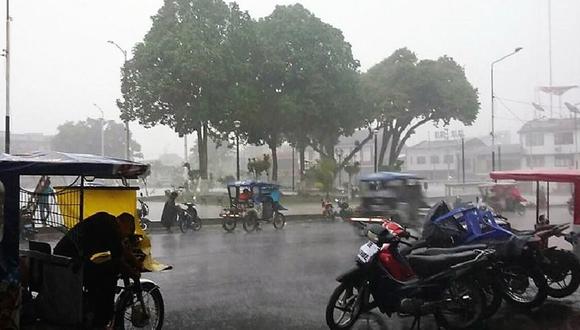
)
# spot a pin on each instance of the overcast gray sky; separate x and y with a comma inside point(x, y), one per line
point(62, 63)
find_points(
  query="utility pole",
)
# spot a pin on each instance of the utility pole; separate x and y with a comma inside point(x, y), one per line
point(293, 180)
point(463, 159)
point(7, 55)
point(493, 106)
point(127, 131)
point(550, 54)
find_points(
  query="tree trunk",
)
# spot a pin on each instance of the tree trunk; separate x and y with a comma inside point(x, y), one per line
point(384, 143)
point(273, 149)
point(393, 155)
point(202, 150)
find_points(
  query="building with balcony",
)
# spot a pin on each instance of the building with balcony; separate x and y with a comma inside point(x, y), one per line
point(549, 143)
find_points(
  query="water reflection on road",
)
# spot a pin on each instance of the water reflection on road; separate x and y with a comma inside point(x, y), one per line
point(283, 279)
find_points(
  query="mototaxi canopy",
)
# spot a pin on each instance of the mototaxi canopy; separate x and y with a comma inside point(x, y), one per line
point(546, 175)
point(12, 166)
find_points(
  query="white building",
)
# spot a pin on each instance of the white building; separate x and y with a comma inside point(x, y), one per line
point(549, 143)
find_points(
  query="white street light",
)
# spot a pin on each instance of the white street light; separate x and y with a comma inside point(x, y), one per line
point(127, 132)
point(493, 106)
point(102, 129)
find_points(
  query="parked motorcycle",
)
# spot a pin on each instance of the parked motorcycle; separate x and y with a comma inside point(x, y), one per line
point(327, 209)
point(344, 209)
point(522, 255)
point(143, 213)
point(419, 284)
point(187, 218)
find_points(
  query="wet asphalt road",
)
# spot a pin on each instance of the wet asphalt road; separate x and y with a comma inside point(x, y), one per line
point(283, 279)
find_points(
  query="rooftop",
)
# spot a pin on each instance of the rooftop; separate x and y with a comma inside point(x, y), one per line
point(548, 125)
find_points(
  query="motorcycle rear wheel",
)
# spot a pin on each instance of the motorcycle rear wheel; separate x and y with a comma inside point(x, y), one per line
point(184, 225)
point(196, 225)
point(562, 273)
point(153, 303)
point(464, 306)
point(524, 287)
point(346, 300)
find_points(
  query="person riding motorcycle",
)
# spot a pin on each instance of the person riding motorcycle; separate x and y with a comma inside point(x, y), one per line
point(101, 233)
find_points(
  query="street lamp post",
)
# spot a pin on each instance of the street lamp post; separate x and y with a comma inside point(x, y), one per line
point(293, 175)
point(102, 129)
point(7, 55)
point(237, 126)
point(493, 107)
point(376, 132)
point(127, 132)
point(574, 109)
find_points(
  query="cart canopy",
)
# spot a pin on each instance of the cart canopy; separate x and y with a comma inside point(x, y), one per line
point(60, 163)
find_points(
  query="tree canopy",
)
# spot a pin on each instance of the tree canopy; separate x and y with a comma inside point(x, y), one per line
point(85, 137)
point(405, 93)
point(185, 72)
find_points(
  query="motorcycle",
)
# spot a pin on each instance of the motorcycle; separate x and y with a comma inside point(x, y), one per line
point(187, 218)
point(143, 213)
point(47, 297)
point(344, 209)
point(327, 209)
point(418, 284)
point(524, 283)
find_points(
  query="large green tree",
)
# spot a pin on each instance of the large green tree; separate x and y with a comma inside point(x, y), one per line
point(85, 137)
point(186, 73)
point(307, 84)
point(405, 93)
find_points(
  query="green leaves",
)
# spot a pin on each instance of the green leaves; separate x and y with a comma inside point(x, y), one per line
point(85, 137)
point(404, 93)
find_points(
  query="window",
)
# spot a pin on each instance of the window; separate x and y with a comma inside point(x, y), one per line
point(534, 139)
point(421, 160)
point(563, 160)
point(535, 161)
point(448, 159)
point(434, 159)
point(563, 138)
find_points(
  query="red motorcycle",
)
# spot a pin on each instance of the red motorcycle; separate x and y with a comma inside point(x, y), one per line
point(439, 282)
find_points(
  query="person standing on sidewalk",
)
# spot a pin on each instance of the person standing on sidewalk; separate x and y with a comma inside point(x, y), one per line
point(44, 200)
point(169, 214)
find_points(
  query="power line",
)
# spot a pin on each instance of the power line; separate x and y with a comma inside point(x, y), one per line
point(510, 111)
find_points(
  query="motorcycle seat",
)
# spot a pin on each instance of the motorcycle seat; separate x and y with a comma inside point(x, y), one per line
point(427, 265)
point(436, 251)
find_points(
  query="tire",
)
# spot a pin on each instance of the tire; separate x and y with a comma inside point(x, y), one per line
point(184, 224)
point(151, 295)
point(517, 279)
point(279, 221)
point(250, 223)
point(465, 300)
point(562, 273)
point(144, 223)
point(229, 224)
point(196, 224)
point(345, 294)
